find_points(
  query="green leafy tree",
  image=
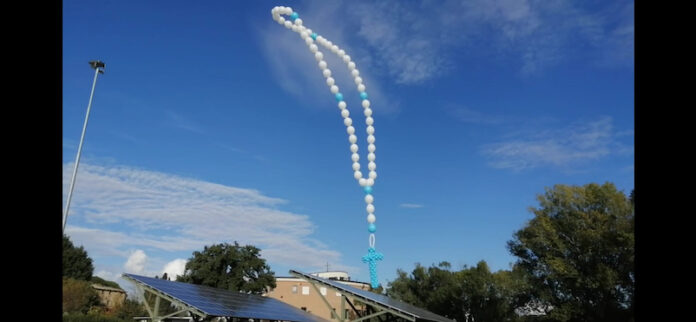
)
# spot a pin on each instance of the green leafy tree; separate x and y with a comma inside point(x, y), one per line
point(130, 309)
point(471, 294)
point(578, 253)
point(78, 296)
point(76, 262)
point(230, 267)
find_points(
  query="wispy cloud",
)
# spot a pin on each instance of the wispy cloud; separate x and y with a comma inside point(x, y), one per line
point(117, 210)
point(469, 115)
point(411, 205)
point(559, 147)
point(177, 120)
point(414, 42)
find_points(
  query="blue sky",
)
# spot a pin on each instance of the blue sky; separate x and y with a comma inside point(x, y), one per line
point(213, 123)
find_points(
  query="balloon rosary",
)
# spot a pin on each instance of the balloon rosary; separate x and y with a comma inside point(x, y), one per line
point(295, 23)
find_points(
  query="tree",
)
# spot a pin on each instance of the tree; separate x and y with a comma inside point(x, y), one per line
point(471, 294)
point(578, 253)
point(76, 262)
point(230, 267)
point(78, 296)
point(129, 309)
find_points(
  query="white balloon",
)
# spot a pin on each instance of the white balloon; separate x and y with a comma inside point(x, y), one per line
point(341, 53)
point(313, 48)
point(355, 73)
point(371, 156)
point(334, 49)
point(361, 88)
point(347, 121)
point(352, 138)
point(362, 182)
point(355, 157)
point(351, 65)
point(357, 174)
point(346, 58)
point(366, 103)
point(350, 129)
point(330, 81)
point(322, 64)
point(370, 208)
point(369, 199)
point(308, 40)
point(356, 166)
point(369, 120)
point(298, 22)
point(326, 72)
point(281, 20)
point(370, 182)
point(373, 175)
point(371, 218)
point(358, 80)
point(288, 24)
point(295, 28)
point(304, 35)
point(353, 148)
point(345, 113)
point(334, 89)
point(370, 129)
point(371, 148)
point(341, 104)
point(370, 138)
point(372, 166)
point(368, 111)
point(318, 55)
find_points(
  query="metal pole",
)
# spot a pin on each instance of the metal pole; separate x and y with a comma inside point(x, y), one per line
point(79, 149)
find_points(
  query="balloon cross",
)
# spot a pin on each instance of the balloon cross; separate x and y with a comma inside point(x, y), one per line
point(371, 259)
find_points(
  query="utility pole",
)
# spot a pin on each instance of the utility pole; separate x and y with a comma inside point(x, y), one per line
point(98, 69)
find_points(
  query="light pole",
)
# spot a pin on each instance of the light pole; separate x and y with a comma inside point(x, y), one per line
point(98, 69)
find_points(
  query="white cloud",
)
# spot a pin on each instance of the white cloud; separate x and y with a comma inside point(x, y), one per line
point(562, 147)
point(175, 268)
point(136, 262)
point(118, 209)
point(107, 275)
point(410, 205)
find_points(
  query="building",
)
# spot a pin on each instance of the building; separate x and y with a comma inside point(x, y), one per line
point(109, 296)
point(305, 296)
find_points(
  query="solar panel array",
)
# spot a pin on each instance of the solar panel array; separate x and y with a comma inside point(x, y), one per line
point(219, 302)
point(404, 308)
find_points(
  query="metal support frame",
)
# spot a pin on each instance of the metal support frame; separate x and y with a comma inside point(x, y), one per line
point(380, 309)
point(331, 309)
point(351, 305)
point(154, 312)
point(367, 317)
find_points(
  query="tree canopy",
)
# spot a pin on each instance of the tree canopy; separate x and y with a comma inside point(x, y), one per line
point(471, 294)
point(578, 253)
point(230, 267)
point(76, 262)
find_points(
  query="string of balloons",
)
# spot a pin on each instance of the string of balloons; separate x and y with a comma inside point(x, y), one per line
point(312, 39)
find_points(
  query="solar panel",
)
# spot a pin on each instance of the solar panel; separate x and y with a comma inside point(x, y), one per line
point(385, 301)
point(219, 302)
